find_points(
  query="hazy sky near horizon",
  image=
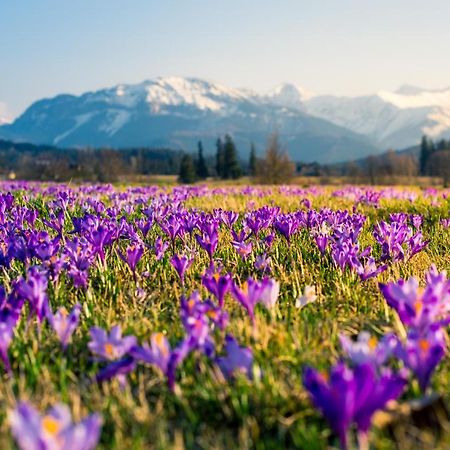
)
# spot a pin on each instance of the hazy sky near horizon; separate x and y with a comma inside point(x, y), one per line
point(341, 47)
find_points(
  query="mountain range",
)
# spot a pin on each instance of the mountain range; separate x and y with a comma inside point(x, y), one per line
point(176, 112)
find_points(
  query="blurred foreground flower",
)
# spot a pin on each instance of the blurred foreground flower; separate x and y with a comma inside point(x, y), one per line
point(53, 431)
point(308, 296)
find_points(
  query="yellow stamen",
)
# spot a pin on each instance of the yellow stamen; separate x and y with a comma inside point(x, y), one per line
point(424, 345)
point(109, 349)
point(373, 343)
point(418, 306)
point(50, 425)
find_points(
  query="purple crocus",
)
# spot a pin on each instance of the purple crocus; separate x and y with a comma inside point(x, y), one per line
point(322, 242)
point(54, 430)
point(374, 389)
point(422, 352)
point(420, 308)
point(370, 269)
point(218, 285)
point(208, 242)
point(352, 395)
point(368, 349)
point(254, 291)
point(181, 264)
point(263, 263)
point(132, 256)
point(110, 346)
point(243, 248)
point(334, 395)
point(34, 289)
point(160, 355)
point(65, 323)
point(237, 360)
point(160, 248)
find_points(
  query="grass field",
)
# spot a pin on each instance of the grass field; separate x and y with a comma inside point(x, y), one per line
point(64, 246)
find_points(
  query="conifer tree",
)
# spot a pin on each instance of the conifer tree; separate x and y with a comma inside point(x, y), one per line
point(425, 152)
point(201, 169)
point(219, 158)
point(187, 170)
point(252, 161)
point(231, 167)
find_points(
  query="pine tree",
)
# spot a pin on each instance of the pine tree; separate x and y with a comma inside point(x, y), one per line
point(252, 161)
point(219, 158)
point(200, 168)
point(442, 145)
point(231, 167)
point(187, 170)
point(425, 152)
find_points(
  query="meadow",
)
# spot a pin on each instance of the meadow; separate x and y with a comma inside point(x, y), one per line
point(224, 317)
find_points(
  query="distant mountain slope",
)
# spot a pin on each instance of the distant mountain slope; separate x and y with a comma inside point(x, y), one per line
point(391, 119)
point(177, 112)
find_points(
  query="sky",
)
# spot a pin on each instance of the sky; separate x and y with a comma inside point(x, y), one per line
point(339, 47)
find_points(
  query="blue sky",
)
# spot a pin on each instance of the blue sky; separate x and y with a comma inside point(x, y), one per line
point(343, 47)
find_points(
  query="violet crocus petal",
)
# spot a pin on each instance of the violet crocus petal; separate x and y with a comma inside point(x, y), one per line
point(121, 367)
point(334, 396)
point(238, 359)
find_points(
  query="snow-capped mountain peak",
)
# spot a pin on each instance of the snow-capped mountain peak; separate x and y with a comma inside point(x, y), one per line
point(164, 92)
point(289, 95)
point(5, 116)
point(417, 98)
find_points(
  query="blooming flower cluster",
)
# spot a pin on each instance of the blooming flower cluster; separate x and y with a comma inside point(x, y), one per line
point(59, 246)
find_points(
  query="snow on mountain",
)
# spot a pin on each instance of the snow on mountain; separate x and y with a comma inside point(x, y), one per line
point(176, 112)
point(392, 119)
point(289, 95)
point(5, 116)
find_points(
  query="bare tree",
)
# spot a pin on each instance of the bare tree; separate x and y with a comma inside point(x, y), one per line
point(275, 167)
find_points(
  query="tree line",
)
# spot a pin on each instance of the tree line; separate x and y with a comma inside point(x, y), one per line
point(434, 158)
point(273, 168)
point(47, 163)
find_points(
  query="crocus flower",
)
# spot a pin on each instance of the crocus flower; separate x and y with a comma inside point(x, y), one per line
point(117, 369)
point(420, 308)
point(248, 295)
point(373, 391)
point(368, 349)
point(263, 263)
point(352, 395)
point(270, 290)
point(334, 395)
point(308, 296)
point(238, 359)
point(321, 241)
point(422, 352)
point(132, 256)
point(54, 430)
point(160, 354)
point(243, 248)
point(160, 248)
point(110, 346)
point(34, 289)
point(7, 325)
point(218, 285)
point(208, 242)
point(65, 324)
point(181, 264)
point(370, 269)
